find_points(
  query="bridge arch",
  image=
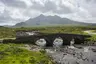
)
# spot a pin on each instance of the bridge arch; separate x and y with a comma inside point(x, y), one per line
point(66, 41)
point(79, 40)
point(58, 41)
point(41, 42)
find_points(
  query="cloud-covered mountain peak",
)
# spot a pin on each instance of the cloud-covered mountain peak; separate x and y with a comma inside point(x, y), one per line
point(15, 11)
point(41, 16)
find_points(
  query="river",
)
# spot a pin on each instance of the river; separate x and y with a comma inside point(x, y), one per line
point(77, 54)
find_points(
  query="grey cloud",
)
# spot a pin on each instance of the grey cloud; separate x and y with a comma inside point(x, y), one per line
point(5, 17)
point(14, 3)
point(63, 10)
point(51, 6)
point(83, 9)
point(89, 5)
point(48, 6)
point(91, 1)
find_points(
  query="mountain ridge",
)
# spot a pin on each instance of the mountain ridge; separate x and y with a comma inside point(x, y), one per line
point(43, 20)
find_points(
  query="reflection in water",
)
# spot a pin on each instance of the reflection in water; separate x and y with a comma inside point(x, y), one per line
point(58, 42)
point(72, 42)
point(41, 42)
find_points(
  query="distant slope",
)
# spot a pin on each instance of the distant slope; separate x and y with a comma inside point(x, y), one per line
point(21, 24)
point(47, 21)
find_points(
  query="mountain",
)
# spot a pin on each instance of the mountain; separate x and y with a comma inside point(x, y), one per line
point(7, 26)
point(21, 24)
point(42, 20)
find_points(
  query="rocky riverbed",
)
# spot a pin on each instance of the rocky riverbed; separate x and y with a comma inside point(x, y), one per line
point(73, 54)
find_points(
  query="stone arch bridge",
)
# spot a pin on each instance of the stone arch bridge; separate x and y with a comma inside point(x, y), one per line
point(33, 36)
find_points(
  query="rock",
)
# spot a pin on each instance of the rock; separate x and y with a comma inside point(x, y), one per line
point(75, 55)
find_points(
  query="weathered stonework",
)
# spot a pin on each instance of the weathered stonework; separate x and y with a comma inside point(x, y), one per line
point(33, 36)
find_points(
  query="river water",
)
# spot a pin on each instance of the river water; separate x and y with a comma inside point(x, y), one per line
point(77, 54)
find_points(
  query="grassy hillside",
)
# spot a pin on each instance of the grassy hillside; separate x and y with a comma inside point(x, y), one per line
point(11, 32)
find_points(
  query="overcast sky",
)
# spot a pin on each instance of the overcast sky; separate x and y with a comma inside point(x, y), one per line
point(14, 11)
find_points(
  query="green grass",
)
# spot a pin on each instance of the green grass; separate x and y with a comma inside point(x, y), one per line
point(13, 54)
point(11, 32)
point(93, 38)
